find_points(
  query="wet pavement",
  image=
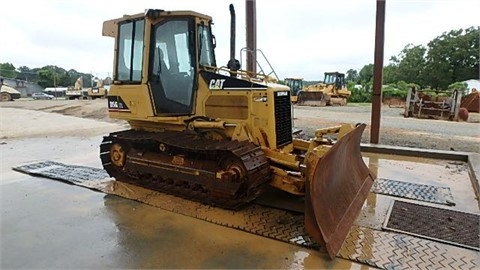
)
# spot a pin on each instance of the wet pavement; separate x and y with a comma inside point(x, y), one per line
point(49, 224)
point(445, 173)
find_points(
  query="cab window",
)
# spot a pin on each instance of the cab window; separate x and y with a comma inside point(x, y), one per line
point(130, 51)
point(206, 50)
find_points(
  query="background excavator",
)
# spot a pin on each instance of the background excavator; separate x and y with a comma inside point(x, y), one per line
point(75, 92)
point(220, 135)
point(332, 91)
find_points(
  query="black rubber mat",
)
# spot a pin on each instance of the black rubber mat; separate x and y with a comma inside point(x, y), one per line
point(414, 191)
point(443, 225)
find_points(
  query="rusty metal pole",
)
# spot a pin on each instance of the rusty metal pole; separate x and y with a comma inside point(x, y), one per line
point(378, 72)
point(251, 25)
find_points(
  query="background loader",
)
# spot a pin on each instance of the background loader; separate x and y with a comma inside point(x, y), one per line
point(332, 91)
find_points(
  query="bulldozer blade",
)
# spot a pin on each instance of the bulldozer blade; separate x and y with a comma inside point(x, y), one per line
point(337, 187)
point(306, 98)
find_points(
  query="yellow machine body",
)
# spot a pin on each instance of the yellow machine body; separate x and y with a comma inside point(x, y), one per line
point(332, 91)
point(213, 134)
point(97, 91)
point(75, 92)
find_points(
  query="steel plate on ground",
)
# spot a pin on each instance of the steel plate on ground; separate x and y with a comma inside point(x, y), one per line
point(420, 192)
point(73, 174)
point(387, 250)
point(443, 225)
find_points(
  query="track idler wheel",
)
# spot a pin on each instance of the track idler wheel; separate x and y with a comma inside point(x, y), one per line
point(118, 155)
point(233, 169)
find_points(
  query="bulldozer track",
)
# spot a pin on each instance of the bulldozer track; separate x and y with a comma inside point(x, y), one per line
point(182, 144)
point(385, 250)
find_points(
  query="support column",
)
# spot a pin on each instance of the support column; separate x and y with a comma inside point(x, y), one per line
point(378, 72)
point(251, 24)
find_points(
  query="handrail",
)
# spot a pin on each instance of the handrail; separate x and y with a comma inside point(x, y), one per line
point(262, 72)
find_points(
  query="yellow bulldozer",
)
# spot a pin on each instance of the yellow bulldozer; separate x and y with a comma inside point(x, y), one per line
point(220, 135)
point(296, 85)
point(332, 91)
point(97, 91)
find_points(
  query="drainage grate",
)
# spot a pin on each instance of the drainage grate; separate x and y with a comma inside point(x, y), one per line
point(443, 225)
point(426, 193)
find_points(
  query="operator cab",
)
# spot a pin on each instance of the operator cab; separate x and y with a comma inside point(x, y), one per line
point(295, 84)
point(172, 55)
point(335, 78)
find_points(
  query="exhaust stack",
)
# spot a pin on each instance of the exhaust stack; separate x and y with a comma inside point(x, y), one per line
point(233, 64)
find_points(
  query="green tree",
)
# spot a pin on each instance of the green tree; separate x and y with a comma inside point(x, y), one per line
point(410, 64)
point(45, 78)
point(351, 75)
point(390, 74)
point(64, 79)
point(366, 74)
point(453, 57)
point(27, 74)
point(8, 70)
point(461, 86)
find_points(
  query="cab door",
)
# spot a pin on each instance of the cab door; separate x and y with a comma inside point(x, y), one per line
point(172, 66)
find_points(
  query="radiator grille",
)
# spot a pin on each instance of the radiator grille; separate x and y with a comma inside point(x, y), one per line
point(283, 118)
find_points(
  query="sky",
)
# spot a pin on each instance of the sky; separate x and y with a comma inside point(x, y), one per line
point(302, 38)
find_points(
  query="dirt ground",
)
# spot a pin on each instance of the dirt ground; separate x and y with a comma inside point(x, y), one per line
point(394, 130)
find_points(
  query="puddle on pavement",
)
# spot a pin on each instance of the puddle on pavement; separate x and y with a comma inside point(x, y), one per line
point(148, 237)
point(445, 173)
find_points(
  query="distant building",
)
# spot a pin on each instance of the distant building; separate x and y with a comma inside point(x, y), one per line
point(25, 88)
point(56, 91)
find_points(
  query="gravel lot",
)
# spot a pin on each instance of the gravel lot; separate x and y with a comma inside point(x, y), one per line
point(395, 129)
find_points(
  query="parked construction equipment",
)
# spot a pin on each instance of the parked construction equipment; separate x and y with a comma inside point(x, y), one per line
point(97, 91)
point(471, 102)
point(296, 85)
point(433, 104)
point(8, 93)
point(75, 92)
point(220, 135)
point(332, 91)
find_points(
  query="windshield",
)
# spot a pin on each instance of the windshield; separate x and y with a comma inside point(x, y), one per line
point(330, 78)
point(297, 85)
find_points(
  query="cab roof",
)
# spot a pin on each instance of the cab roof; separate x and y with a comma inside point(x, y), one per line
point(110, 27)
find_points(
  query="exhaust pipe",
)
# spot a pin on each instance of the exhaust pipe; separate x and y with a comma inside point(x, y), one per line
point(233, 64)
